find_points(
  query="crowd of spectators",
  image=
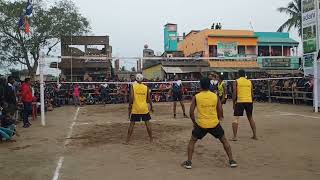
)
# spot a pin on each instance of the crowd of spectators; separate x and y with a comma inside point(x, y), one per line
point(19, 100)
point(284, 89)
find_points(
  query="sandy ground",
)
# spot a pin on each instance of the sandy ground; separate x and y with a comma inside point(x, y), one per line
point(288, 147)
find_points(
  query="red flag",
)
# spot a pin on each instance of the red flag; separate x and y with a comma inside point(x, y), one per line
point(26, 26)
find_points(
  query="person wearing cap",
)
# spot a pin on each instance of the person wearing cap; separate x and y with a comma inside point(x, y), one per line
point(243, 101)
point(177, 91)
point(138, 107)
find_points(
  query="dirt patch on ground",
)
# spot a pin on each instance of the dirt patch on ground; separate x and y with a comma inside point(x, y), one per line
point(165, 136)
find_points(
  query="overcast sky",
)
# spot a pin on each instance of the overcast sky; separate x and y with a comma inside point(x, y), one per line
point(133, 23)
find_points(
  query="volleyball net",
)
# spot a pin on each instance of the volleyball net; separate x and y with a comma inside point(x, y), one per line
point(288, 89)
point(105, 85)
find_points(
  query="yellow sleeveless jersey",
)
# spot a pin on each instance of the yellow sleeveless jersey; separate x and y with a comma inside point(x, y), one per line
point(140, 105)
point(207, 109)
point(244, 90)
point(221, 89)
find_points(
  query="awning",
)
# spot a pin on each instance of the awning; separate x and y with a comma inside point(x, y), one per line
point(279, 72)
point(242, 64)
point(268, 40)
point(232, 70)
point(181, 70)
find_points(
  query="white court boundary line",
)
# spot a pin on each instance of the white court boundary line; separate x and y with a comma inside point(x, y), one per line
point(67, 141)
point(294, 114)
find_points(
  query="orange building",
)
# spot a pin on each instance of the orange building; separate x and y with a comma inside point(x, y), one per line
point(224, 45)
point(206, 42)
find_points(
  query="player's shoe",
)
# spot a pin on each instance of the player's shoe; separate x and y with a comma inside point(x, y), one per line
point(187, 164)
point(233, 163)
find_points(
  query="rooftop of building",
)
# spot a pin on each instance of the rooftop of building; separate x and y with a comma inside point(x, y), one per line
point(85, 40)
point(177, 63)
point(169, 24)
point(275, 37)
point(263, 37)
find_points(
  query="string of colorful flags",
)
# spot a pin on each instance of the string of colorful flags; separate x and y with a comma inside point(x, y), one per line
point(24, 21)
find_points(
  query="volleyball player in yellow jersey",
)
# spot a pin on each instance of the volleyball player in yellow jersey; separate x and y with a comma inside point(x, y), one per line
point(243, 101)
point(209, 112)
point(138, 107)
point(222, 92)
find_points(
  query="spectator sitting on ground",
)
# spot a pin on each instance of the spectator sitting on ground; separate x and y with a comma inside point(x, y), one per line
point(82, 99)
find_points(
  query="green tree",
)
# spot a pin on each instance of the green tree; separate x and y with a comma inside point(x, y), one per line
point(133, 69)
point(123, 68)
point(294, 11)
point(48, 25)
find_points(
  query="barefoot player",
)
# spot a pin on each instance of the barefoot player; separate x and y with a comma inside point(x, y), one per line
point(243, 101)
point(209, 112)
point(138, 107)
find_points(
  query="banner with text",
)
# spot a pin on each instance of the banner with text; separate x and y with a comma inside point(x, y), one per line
point(227, 49)
point(309, 34)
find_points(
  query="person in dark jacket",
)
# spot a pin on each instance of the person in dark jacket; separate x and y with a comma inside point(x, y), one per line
point(10, 97)
point(26, 97)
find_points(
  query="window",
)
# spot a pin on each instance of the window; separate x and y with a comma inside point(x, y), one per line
point(213, 51)
point(241, 50)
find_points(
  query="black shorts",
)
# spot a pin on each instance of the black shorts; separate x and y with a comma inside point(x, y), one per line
point(140, 117)
point(241, 107)
point(177, 97)
point(200, 133)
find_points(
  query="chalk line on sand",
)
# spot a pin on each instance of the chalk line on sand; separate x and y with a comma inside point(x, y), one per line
point(67, 141)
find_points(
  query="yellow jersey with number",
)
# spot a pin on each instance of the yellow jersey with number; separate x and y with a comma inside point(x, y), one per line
point(244, 90)
point(140, 105)
point(207, 103)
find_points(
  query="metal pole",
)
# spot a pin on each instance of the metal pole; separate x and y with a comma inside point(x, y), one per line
point(269, 91)
point(41, 68)
point(58, 78)
point(315, 89)
point(71, 73)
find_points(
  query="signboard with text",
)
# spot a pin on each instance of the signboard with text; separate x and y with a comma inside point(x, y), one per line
point(310, 39)
point(227, 49)
point(309, 29)
point(276, 63)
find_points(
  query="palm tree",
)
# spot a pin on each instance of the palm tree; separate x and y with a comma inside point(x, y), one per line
point(294, 11)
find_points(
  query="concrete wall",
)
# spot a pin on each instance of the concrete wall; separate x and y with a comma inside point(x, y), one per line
point(153, 72)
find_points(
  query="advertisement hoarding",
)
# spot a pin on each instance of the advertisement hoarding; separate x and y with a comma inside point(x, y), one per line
point(227, 49)
point(310, 39)
point(276, 63)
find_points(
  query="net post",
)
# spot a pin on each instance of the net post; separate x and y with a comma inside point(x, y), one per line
point(315, 76)
point(293, 96)
point(41, 66)
point(269, 90)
